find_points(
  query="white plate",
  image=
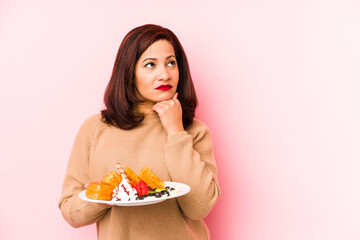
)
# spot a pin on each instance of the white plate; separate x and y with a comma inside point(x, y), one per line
point(180, 189)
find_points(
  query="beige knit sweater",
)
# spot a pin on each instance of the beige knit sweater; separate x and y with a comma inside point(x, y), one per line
point(185, 157)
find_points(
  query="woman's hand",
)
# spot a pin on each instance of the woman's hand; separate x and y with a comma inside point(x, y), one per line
point(170, 114)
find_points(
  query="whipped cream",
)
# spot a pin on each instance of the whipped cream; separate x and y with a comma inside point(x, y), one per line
point(124, 192)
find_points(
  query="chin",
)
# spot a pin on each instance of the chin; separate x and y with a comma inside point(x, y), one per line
point(164, 97)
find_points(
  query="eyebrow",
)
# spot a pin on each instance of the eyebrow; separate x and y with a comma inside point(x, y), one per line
point(156, 58)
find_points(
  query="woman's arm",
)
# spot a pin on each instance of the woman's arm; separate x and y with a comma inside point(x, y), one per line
point(76, 211)
point(190, 160)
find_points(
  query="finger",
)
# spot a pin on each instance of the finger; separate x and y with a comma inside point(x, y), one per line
point(158, 107)
point(175, 96)
point(155, 108)
point(162, 104)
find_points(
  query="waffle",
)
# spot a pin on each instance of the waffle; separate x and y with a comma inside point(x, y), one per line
point(132, 176)
point(99, 191)
point(112, 178)
point(151, 179)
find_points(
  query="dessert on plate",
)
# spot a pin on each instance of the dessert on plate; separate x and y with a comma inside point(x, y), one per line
point(125, 185)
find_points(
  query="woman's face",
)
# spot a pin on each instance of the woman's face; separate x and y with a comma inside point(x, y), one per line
point(157, 73)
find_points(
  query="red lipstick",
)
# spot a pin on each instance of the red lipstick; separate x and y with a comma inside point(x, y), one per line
point(164, 87)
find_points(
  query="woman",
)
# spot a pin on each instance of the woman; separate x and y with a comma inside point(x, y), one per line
point(148, 122)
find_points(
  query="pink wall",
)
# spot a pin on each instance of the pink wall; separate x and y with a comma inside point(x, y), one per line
point(278, 84)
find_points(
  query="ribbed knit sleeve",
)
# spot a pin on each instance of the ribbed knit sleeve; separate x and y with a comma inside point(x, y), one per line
point(76, 211)
point(189, 158)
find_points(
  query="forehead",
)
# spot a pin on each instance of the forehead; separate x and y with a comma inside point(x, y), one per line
point(159, 49)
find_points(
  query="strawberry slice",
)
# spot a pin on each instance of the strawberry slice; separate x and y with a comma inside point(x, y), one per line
point(142, 188)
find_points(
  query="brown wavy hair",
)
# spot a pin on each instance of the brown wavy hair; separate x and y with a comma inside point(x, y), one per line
point(120, 98)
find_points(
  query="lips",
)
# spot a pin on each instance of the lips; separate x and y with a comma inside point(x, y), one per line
point(164, 87)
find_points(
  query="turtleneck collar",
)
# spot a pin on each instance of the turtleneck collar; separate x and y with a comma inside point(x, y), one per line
point(151, 117)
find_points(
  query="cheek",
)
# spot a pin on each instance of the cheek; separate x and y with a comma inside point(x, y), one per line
point(144, 84)
point(176, 77)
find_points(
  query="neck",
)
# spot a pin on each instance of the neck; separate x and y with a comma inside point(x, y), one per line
point(145, 108)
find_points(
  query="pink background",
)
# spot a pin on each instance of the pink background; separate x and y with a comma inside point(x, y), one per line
point(278, 84)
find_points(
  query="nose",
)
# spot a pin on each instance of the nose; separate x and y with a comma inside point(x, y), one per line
point(163, 73)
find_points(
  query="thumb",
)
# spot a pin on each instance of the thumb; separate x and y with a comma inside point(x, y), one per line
point(175, 96)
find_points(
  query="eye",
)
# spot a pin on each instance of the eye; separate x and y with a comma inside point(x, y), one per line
point(171, 63)
point(150, 65)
